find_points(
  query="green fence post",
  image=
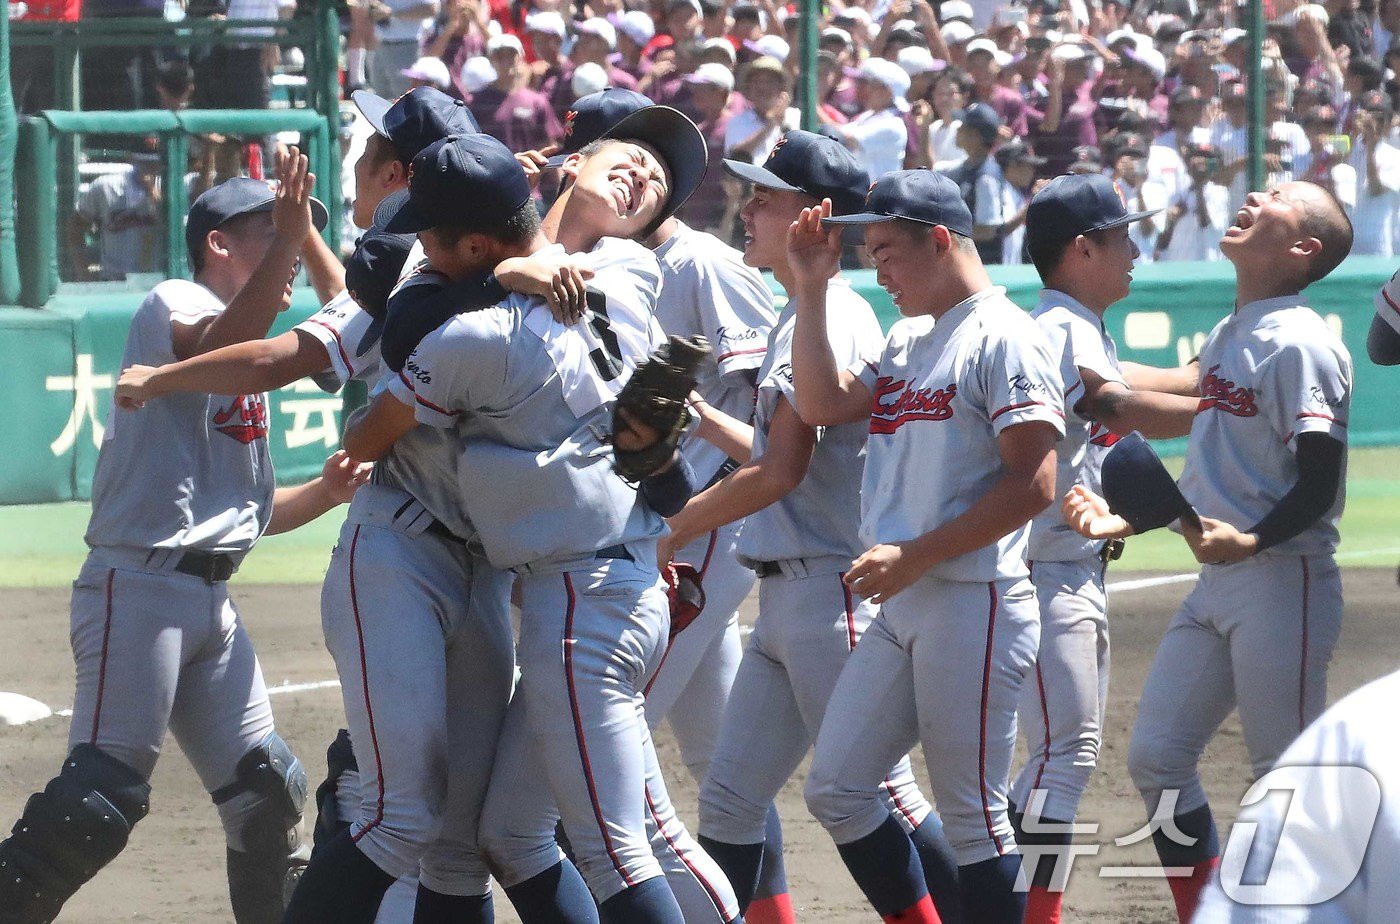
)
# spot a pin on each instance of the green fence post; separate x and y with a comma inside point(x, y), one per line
point(9, 125)
point(328, 75)
point(36, 179)
point(176, 157)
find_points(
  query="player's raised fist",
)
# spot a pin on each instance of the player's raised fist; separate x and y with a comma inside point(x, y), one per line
point(814, 250)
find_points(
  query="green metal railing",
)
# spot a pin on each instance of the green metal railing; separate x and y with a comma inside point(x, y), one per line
point(41, 137)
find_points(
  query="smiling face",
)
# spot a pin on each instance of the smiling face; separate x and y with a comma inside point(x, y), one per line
point(767, 216)
point(905, 255)
point(1112, 253)
point(623, 184)
point(1286, 230)
point(947, 97)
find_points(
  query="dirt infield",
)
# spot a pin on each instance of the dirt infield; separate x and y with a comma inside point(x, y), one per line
point(173, 871)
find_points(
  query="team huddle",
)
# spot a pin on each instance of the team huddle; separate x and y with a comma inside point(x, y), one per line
point(922, 512)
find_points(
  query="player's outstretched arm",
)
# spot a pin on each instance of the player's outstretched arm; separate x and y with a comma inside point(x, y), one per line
point(1156, 415)
point(252, 311)
point(1182, 380)
point(1026, 487)
point(825, 393)
point(373, 431)
point(759, 482)
point(297, 506)
point(325, 272)
point(238, 369)
point(730, 435)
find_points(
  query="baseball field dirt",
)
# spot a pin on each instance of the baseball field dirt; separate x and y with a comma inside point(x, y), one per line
point(173, 869)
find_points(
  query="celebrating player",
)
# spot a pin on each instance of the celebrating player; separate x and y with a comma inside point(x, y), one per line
point(182, 491)
point(966, 412)
point(799, 492)
point(1264, 466)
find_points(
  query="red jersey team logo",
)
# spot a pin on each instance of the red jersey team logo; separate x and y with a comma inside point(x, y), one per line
point(1218, 394)
point(1099, 435)
point(908, 404)
point(245, 419)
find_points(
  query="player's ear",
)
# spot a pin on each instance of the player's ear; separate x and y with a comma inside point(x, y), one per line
point(217, 242)
point(572, 165)
point(1309, 248)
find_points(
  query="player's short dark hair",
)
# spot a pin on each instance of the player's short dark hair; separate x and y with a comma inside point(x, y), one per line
point(381, 150)
point(1328, 223)
point(238, 226)
point(1047, 255)
point(517, 230)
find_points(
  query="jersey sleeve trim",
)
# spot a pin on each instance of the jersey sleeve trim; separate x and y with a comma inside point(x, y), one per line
point(424, 402)
point(346, 368)
point(1025, 404)
point(757, 351)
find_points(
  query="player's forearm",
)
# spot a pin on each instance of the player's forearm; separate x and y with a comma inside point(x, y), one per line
point(1320, 460)
point(256, 305)
point(326, 273)
point(296, 506)
point(1181, 380)
point(1154, 415)
point(1009, 504)
point(824, 393)
point(729, 435)
point(243, 368)
point(748, 490)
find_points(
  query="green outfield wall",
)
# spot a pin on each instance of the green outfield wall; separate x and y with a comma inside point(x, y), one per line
point(60, 364)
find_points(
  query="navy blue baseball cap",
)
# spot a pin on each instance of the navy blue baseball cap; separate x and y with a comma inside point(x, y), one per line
point(374, 268)
point(914, 195)
point(810, 163)
point(457, 177)
point(983, 119)
point(230, 199)
point(417, 119)
point(590, 117)
point(1076, 204)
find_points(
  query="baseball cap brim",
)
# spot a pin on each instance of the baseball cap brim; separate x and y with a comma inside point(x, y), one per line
point(557, 161)
point(679, 143)
point(398, 215)
point(864, 218)
point(320, 216)
point(373, 107)
point(1127, 219)
point(758, 176)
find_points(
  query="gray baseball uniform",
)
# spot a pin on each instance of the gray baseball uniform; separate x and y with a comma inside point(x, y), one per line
point(808, 621)
point(1062, 708)
point(1258, 634)
point(944, 660)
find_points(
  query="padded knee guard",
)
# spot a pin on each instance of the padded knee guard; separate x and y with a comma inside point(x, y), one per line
point(264, 858)
point(76, 826)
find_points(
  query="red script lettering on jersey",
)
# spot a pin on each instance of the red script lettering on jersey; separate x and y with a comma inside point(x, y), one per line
point(912, 404)
point(1224, 395)
point(245, 419)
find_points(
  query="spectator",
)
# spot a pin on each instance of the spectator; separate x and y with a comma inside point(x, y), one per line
point(508, 109)
point(1184, 116)
point(430, 72)
point(985, 70)
point(683, 19)
point(878, 135)
point(545, 30)
point(1323, 163)
point(174, 85)
point(1018, 165)
point(951, 91)
point(1362, 76)
point(1375, 163)
point(768, 112)
point(714, 18)
point(125, 212)
point(829, 76)
point(458, 34)
point(957, 35)
point(979, 178)
point(1143, 72)
point(1386, 28)
point(1140, 192)
point(1087, 158)
point(745, 28)
point(238, 75)
point(1070, 112)
point(589, 78)
point(594, 42)
point(634, 30)
point(710, 89)
point(397, 25)
point(1199, 214)
point(477, 74)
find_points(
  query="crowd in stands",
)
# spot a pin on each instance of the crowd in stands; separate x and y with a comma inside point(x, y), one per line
point(999, 96)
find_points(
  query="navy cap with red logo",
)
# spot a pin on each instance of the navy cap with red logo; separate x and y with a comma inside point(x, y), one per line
point(809, 163)
point(459, 176)
point(590, 117)
point(914, 195)
point(416, 119)
point(1076, 204)
point(232, 199)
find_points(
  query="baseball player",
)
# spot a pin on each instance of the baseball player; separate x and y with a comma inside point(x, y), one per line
point(532, 391)
point(964, 410)
point(708, 291)
point(1265, 467)
point(1077, 235)
point(799, 492)
point(182, 491)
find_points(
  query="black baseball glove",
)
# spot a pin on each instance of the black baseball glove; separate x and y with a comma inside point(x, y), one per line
point(652, 404)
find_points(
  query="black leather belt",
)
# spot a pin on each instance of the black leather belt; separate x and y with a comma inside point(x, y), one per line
point(1112, 550)
point(766, 568)
point(209, 567)
point(615, 551)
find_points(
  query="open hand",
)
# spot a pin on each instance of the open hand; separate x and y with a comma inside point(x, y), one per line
point(342, 475)
point(560, 279)
point(1087, 514)
point(814, 250)
point(291, 209)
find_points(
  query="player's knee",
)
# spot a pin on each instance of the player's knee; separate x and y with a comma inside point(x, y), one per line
point(728, 815)
point(76, 826)
point(260, 809)
point(846, 812)
point(512, 851)
point(1154, 763)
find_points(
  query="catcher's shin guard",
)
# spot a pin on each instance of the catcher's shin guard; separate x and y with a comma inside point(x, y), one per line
point(76, 826)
